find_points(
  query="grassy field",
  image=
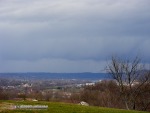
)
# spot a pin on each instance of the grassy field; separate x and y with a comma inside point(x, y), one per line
point(8, 107)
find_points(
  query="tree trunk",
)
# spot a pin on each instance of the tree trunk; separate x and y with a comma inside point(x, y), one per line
point(127, 107)
point(134, 106)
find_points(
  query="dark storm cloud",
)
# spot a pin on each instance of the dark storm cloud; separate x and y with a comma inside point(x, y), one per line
point(74, 32)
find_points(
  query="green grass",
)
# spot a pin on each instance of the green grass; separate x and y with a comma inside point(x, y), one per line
point(5, 107)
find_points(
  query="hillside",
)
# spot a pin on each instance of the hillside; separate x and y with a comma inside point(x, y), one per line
point(8, 107)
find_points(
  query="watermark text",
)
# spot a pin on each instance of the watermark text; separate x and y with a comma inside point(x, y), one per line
point(31, 106)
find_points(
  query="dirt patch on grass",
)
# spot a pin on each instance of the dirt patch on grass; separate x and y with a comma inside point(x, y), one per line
point(6, 106)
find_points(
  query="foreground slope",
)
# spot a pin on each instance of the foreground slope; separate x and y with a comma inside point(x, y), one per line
point(8, 107)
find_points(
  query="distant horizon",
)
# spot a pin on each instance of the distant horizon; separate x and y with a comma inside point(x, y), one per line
point(50, 76)
point(52, 72)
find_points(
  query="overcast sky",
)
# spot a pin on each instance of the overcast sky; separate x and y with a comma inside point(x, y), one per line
point(71, 35)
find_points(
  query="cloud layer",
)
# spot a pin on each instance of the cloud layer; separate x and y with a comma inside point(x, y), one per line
point(71, 35)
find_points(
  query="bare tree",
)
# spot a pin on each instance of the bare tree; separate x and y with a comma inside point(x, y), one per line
point(130, 77)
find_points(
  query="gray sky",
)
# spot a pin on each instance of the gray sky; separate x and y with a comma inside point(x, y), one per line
point(71, 35)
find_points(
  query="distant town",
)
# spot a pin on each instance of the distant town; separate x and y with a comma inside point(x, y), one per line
point(36, 89)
